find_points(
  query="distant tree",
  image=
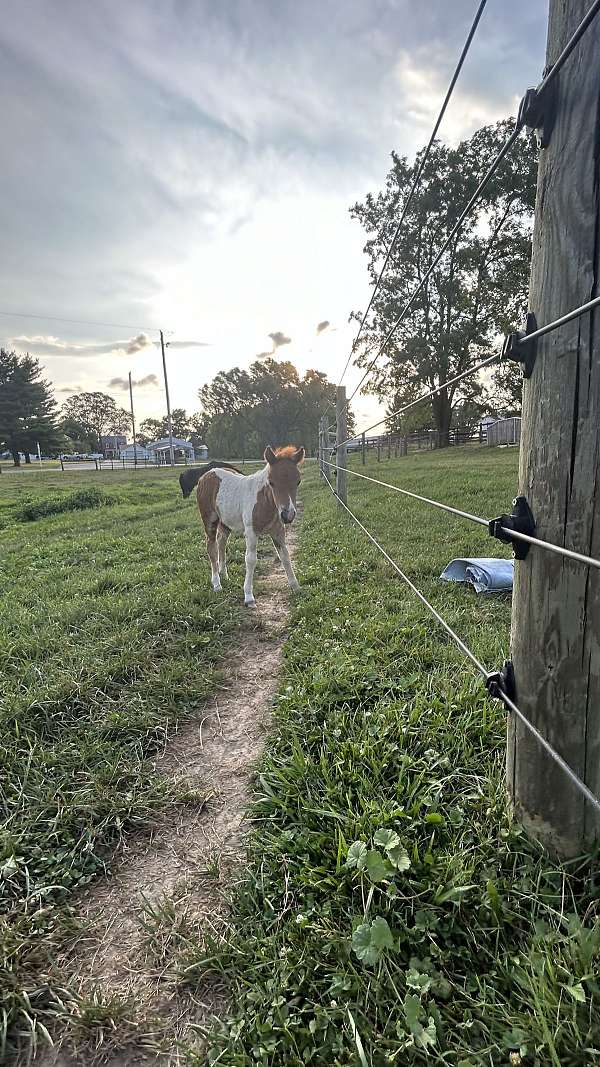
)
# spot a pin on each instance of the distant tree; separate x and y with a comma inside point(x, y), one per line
point(150, 430)
point(156, 429)
point(77, 437)
point(97, 414)
point(244, 410)
point(27, 408)
point(479, 289)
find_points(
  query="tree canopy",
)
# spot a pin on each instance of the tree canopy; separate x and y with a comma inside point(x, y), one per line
point(27, 407)
point(476, 292)
point(96, 415)
point(245, 410)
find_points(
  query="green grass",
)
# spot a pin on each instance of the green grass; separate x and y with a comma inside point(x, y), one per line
point(391, 911)
point(109, 633)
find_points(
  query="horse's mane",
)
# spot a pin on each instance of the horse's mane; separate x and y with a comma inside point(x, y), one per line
point(286, 451)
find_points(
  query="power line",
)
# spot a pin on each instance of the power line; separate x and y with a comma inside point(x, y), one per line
point(578, 557)
point(486, 675)
point(78, 322)
point(416, 181)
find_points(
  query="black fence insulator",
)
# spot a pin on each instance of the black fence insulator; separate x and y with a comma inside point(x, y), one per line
point(521, 520)
point(519, 349)
point(538, 111)
point(500, 683)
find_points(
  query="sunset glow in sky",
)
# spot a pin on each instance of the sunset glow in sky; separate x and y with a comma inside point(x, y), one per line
point(190, 166)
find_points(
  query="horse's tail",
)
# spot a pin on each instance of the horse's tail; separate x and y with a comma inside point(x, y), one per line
point(190, 477)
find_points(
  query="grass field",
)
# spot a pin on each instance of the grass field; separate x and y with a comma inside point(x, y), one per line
point(109, 632)
point(391, 911)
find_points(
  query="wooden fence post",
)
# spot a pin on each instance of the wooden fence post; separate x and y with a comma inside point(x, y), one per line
point(341, 455)
point(556, 604)
point(379, 449)
point(364, 448)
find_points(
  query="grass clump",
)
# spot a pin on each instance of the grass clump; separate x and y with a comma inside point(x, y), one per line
point(392, 912)
point(77, 501)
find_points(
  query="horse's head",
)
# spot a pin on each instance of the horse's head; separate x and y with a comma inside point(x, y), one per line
point(284, 478)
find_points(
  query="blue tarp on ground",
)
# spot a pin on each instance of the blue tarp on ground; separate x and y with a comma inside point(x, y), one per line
point(485, 575)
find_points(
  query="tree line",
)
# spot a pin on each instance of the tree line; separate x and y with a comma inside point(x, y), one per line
point(241, 412)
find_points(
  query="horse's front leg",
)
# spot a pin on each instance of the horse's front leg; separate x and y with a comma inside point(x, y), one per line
point(282, 551)
point(251, 543)
point(222, 536)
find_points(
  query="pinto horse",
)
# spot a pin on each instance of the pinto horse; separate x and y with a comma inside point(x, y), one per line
point(256, 504)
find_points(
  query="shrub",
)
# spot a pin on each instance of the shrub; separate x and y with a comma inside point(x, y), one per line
point(78, 501)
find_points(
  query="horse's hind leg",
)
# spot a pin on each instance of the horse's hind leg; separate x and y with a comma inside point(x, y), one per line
point(222, 536)
point(208, 487)
point(282, 551)
point(213, 555)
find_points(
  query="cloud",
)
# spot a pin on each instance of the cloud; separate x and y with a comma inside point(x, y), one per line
point(278, 338)
point(70, 389)
point(47, 345)
point(323, 325)
point(123, 383)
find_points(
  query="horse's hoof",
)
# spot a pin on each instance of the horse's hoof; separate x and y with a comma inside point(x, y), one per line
point(217, 588)
point(250, 603)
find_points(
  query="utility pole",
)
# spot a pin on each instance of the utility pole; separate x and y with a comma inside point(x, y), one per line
point(132, 423)
point(170, 421)
point(341, 433)
point(556, 603)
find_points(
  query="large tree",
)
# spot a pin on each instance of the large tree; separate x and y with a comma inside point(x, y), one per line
point(155, 429)
point(476, 292)
point(97, 414)
point(27, 408)
point(270, 403)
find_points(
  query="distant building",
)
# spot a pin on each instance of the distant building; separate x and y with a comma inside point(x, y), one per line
point(160, 450)
point(139, 453)
point(111, 445)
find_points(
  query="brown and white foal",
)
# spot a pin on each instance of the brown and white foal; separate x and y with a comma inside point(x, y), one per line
point(262, 503)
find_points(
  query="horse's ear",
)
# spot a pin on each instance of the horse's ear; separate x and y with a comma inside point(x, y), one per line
point(270, 456)
point(298, 455)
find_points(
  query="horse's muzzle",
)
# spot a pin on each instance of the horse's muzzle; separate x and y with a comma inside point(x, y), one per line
point(288, 515)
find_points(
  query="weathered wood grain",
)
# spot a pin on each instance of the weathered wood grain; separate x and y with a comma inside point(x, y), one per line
point(556, 609)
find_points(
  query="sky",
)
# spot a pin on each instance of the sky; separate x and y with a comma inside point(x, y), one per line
point(189, 166)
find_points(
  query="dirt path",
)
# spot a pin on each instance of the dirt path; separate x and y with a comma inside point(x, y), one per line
point(170, 883)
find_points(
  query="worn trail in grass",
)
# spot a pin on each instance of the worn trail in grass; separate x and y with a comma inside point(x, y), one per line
point(110, 635)
point(391, 911)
